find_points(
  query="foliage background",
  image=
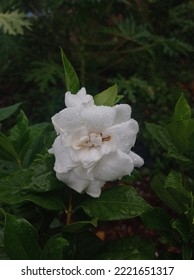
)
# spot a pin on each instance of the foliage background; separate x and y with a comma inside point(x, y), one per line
point(146, 47)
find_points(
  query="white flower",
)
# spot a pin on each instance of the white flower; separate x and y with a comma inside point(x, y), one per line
point(93, 143)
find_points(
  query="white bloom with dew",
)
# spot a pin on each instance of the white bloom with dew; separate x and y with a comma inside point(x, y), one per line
point(93, 143)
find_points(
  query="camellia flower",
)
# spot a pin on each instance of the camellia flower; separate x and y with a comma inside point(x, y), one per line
point(93, 143)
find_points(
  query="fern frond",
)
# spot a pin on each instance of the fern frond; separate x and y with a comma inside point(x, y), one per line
point(13, 23)
point(44, 74)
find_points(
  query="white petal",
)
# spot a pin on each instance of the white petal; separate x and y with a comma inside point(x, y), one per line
point(63, 162)
point(109, 146)
point(73, 181)
point(98, 118)
point(113, 166)
point(81, 172)
point(137, 160)
point(86, 156)
point(66, 122)
point(75, 100)
point(94, 189)
point(123, 113)
point(125, 133)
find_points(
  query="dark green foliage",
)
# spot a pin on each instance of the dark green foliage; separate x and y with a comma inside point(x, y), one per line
point(146, 48)
point(176, 188)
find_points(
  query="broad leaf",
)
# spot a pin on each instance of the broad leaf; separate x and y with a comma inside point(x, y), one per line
point(39, 139)
point(170, 193)
point(115, 204)
point(71, 79)
point(180, 133)
point(21, 239)
point(7, 167)
point(6, 112)
point(7, 150)
point(55, 248)
point(108, 97)
point(182, 226)
point(18, 131)
point(13, 190)
point(161, 134)
point(182, 110)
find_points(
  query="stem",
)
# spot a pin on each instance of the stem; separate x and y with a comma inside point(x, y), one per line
point(69, 210)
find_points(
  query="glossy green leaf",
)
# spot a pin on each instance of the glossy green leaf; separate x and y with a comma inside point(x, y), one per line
point(77, 226)
point(39, 139)
point(14, 189)
point(182, 109)
point(133, 248)
point(161, 134)
point(18, 131)
point(6, 112)
point(42, 176)
point(115, 204)
point(7, 150)
point(108, 97)
point(21, 239)
point(55, 248)
point(182, 226)
point(71, 79)
point(180, 133)
point(7, 167)
point(169, 191)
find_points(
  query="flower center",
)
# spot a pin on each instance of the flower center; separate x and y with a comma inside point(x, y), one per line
point(93, 140)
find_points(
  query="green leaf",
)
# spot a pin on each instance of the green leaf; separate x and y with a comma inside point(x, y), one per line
point(115, 204)
point(18, 131)
point(7, 167)
point(42, 176)
point(181, 225)
point(180, 133)
point(157, 219)
point(108, 97)
point(179, 157)
point(161, 134)
point(7, 150)
point(71, 79)
point(77, 226)
point(39, 139)
point(133, 248)
point(171, 192)
point(13, 191)
point(6, 112)
point(118, 98)
point(21, 239)
point(55, 248)
point(182, 110)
